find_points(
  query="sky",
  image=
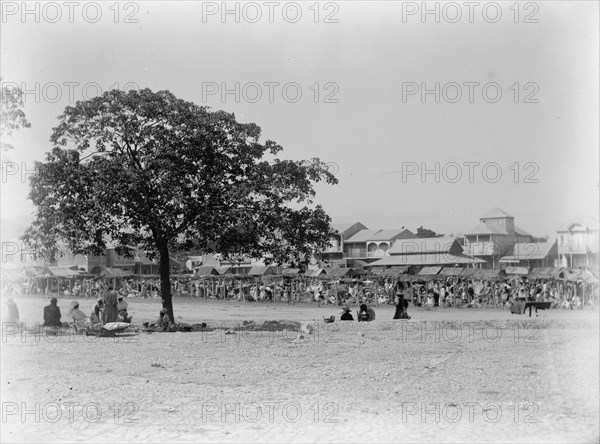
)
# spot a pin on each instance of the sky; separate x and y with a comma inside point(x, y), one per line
point(512, 122)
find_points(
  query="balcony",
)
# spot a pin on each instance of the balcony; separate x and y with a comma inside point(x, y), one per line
point(378, 253)
point(356, 253)
point(481, 249)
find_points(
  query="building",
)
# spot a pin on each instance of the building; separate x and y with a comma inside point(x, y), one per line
point(367, 246)
point(426, 252)
point(578, 242)
point(333, 256)
point(493, 237)
point(543, 254)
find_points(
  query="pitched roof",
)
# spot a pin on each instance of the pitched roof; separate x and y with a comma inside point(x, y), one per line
point(495, 213)
point(482, 228)
point(258, 270)
point(205, 270)
point(435, 245)
point(427, 259)
point(383, 235)
point(314, 273)
point(529, 251)
point(342, 227)
point(589, 222)
point(362, 236)
point(521, 231)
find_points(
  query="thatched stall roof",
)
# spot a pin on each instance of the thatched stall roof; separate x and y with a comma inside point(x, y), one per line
point(264, 270)
point(315, 272)
point(66, 272)
point(336, 273)
point(494, 274)
point(451, 271)
point(571, 274)
point(110, 272)
point(545, 273)
point(35, 271)
point(289, 272)
point(395, 272)
point(430, 271)
point(470, 273)
point(588, 277)
point(377, 270)
point(205, 270)
point(519, 271)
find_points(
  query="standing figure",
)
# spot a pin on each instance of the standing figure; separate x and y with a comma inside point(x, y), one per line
point(401, 307)
point(97, 311)
point(111, 311)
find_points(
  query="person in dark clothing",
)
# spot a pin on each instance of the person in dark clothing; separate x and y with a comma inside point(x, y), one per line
point(111, 312)
point(401, 307)
point(52, 314)
point(366, 314)
point(471, 294)
point(346, 315)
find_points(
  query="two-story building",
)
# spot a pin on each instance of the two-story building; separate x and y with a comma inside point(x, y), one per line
point(578, 242)
point(493, 237)
point(367, 246)
point(333, 256)
point(434, 251)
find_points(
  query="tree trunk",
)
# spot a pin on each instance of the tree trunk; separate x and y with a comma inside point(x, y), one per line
point(165, 279)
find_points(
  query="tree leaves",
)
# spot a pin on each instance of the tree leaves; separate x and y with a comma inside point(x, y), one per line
point(145, 168)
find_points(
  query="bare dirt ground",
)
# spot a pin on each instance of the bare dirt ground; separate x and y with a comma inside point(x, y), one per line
point(447, 375)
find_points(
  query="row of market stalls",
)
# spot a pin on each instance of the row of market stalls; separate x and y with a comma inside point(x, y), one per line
point(206, 280)
point(406, 273)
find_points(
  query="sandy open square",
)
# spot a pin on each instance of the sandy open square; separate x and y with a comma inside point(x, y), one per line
point(444, 376)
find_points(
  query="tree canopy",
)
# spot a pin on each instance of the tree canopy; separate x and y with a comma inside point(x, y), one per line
point(425, 233)
point(144, 168)
point(12, 116)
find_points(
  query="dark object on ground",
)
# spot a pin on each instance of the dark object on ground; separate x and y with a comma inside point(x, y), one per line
point(537, 306)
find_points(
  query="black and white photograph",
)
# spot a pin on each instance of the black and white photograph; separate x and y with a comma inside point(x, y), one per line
point(300, 221)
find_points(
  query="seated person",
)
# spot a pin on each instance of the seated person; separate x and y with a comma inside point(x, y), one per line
point(11, 312)
point(75, 313)
point(96, 315)
point(52, 314)
point(366, 314)
point(164, 321)
point(517, 308)
point(346, 314)
point(122, 308)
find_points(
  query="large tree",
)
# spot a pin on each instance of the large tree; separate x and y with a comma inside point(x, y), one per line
point(143, 168)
